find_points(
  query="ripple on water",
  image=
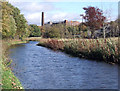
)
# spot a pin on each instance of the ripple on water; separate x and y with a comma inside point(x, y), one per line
point(40, 68)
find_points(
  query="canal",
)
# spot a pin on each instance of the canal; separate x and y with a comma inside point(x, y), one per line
point(41, 68)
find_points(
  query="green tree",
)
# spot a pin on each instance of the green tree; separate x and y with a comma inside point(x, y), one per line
point(54, 32)
point(13, 23)
point(35, 31)
point(8, 22)
point(13, 27)
point(21, 23)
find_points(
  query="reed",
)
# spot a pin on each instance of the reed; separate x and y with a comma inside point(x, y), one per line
point(96, 49)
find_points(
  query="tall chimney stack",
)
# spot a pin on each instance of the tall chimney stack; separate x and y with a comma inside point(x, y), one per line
point(42, 18)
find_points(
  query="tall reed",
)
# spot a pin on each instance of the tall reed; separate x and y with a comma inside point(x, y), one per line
point(96, 49)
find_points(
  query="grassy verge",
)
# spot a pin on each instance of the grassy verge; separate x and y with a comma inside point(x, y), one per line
point(95, 49)
point(33, 38)
point(9, 81)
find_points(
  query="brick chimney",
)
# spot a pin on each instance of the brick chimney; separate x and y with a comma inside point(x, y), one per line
point(42, 18)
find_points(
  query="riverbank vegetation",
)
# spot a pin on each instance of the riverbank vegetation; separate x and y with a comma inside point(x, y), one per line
point(96, 49)
point(88, 40)
point(14, 29)
point(9, 80)
point(96, 38)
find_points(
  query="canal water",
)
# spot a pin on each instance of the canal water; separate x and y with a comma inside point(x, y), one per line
point(41, 68)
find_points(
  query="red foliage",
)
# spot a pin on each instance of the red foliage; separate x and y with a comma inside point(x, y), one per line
point(94, 17)
point(55, 44)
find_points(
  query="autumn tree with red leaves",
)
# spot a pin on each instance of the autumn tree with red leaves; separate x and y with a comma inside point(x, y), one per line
point(94, 18)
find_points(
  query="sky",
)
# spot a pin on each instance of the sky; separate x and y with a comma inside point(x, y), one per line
point(59, 10)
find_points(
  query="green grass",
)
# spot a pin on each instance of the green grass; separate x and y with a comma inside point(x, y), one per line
point(9, 80)
point(33, 38)
point(15, 42)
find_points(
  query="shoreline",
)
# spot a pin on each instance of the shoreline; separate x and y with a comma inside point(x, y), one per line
point(71, 54)
point(97, 54)
point(9, 80)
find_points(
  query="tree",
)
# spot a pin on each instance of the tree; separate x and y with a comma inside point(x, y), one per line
point(21, 23)
point(74, 30)
point(13, 23)
point(35, 31)
point(114, 28)
point(54, 32)
point(94, 18)
point(8, 22)
point(13, 27)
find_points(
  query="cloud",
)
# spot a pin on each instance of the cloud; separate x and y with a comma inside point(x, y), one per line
point(35, 18)
point(33, 7)
point(65, 16)
point(80, 0)
point(53, 0)
point(64, 1)
point(37, 7)
point(32, 11)
point(59, 16)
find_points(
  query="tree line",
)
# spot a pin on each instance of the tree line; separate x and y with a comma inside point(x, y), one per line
point(95, 25)
point(15, 26)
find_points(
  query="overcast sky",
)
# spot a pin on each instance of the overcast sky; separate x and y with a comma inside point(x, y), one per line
point(59, 10)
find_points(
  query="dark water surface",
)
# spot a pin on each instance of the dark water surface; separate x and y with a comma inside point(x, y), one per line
point(41, 68)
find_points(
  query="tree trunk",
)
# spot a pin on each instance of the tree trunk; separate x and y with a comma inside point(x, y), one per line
point(104, 33)
point(92, 34)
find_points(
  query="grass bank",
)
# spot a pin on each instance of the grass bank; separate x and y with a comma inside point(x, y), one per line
point(95, 49)
point(9, 80)
point(33, 38)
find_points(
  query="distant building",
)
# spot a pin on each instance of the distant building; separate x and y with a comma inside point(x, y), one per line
point(71, 23)
point(66, 22)
point(49, 23)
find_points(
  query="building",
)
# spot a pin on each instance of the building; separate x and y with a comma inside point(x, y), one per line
point(42, 19)
point(66, 22)
point(71, 23)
